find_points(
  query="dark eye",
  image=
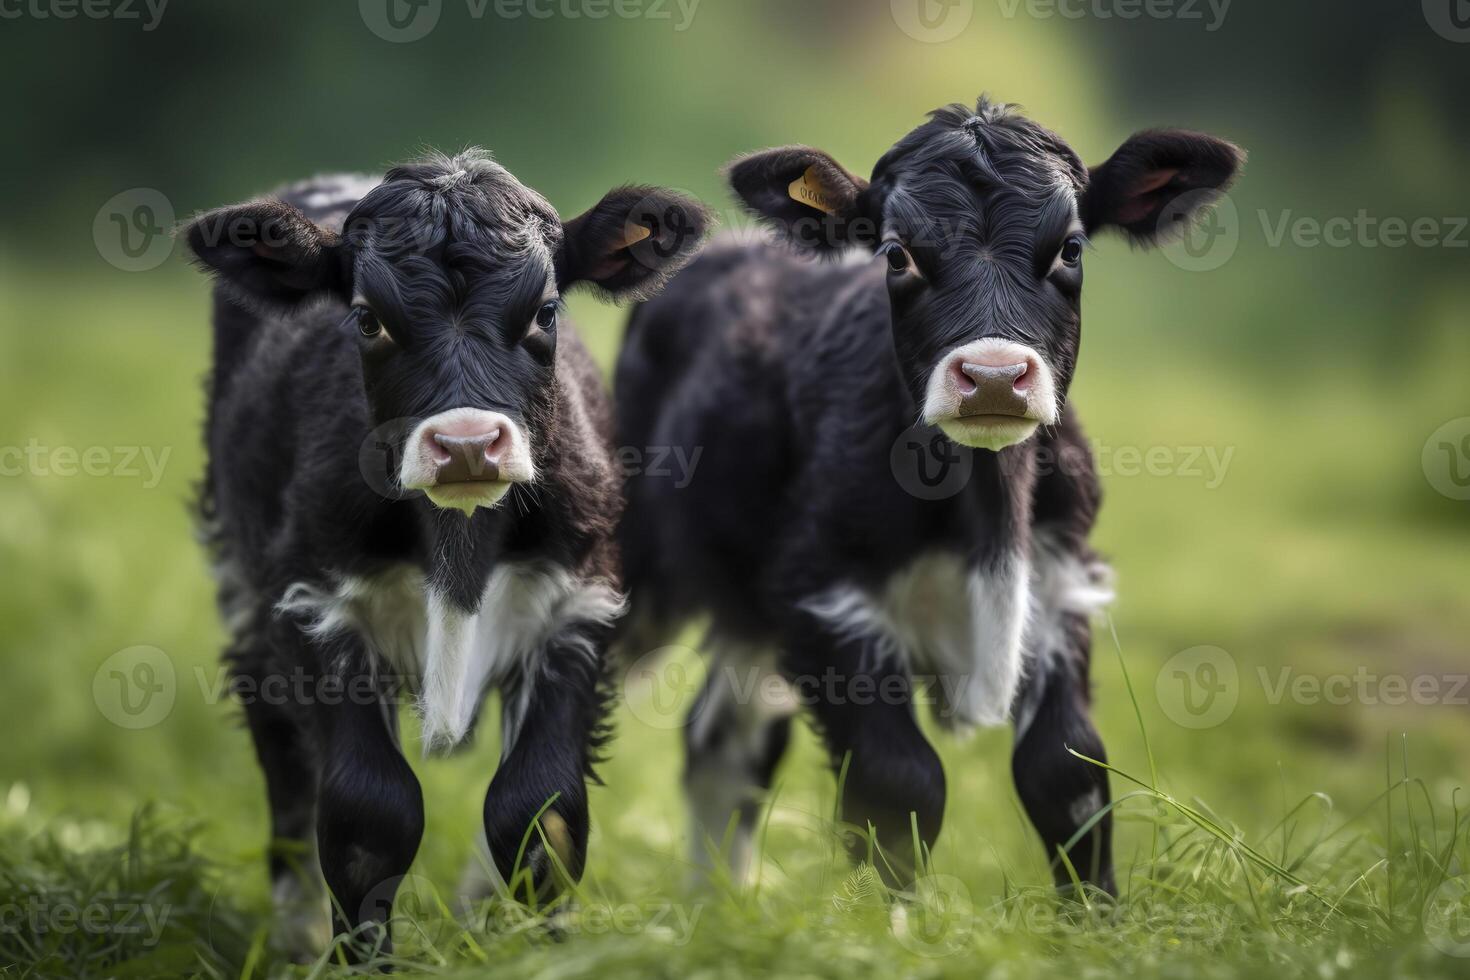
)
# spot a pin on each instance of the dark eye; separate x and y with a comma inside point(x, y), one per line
point(1072, 251)
point(897, 256)
point(546, 316)
point(367, 321)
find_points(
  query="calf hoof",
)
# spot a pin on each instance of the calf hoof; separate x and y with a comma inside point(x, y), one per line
point(301, 926)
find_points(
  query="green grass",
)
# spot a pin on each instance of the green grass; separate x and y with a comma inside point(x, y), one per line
point(1292, 838)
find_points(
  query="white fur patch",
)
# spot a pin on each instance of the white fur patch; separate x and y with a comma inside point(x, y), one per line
point(451, 657)
point(729, 736)
point(1083, 807)
point(334, 191)
point(1061, 583)
point(963, 627)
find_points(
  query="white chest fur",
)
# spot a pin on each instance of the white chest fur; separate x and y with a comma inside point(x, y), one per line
point(451, 657)
point(958, 630)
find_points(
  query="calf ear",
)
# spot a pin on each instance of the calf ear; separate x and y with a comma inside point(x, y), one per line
point(1157, 182)
point(803, 193)
point(268, 253)
point(630, 242)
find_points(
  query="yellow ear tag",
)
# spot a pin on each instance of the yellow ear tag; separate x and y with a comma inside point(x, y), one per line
point(633, 234)
point(807, 189)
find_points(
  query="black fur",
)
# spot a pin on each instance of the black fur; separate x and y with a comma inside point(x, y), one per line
point(797, 378)
point(455, 257)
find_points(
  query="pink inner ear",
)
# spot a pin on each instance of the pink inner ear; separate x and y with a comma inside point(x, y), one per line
point(609, 267)
point(1155, 180)
point(1140, 204)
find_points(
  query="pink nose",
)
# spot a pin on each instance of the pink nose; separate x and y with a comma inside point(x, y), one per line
point(467, 457)
point(990, 389)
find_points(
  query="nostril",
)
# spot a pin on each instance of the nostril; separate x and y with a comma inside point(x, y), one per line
point(960, 377)
point(1023, 380)
point(497, 442)
point(437, 450)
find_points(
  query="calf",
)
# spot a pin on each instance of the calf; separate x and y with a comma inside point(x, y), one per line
point(411, 489)
point(822, 534)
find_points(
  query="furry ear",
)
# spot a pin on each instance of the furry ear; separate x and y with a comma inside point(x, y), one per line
point(1133, 190)
point(268, 252)
point(629, 243)
point(801, 192)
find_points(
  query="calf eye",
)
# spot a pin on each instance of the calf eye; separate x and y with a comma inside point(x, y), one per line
point(367, 321)
point(897, 255)
point(1072, 251)
point(546, 316)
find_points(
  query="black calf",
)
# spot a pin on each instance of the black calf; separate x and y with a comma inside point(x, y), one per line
point(411, 491)
point(892, 494)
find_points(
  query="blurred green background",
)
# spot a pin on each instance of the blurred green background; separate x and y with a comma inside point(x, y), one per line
point(1327, 381)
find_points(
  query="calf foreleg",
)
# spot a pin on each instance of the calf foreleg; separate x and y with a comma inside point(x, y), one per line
point(536, 819)
point(370, 812)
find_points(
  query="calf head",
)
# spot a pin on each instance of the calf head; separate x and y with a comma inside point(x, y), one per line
point(453, 274)
point(981, 218)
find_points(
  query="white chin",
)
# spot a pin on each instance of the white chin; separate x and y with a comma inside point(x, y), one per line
point(993, 434)
point(467, 496)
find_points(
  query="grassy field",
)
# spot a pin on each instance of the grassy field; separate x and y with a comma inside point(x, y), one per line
point(1283, 520)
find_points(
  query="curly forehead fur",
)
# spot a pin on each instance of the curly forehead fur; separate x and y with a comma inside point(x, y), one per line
point(994, 174)
point(458, 234)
